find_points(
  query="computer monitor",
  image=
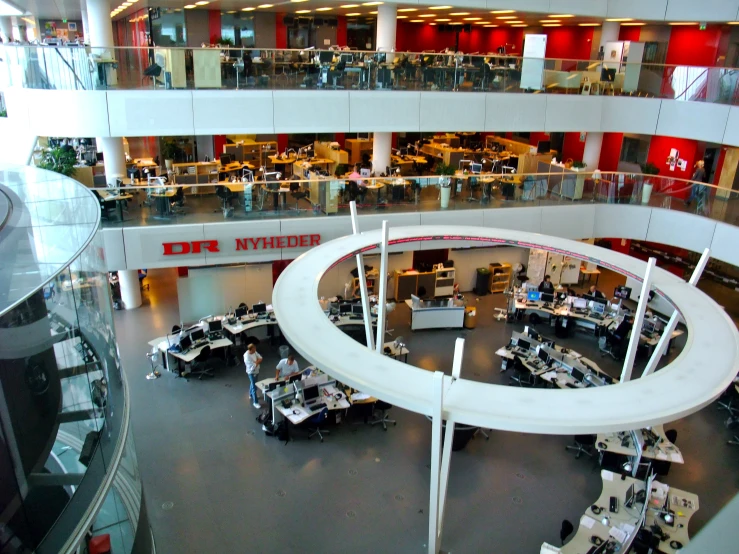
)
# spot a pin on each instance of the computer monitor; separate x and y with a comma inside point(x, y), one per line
point(543, 356)
point(630, 496)
point(475, 168)
point(345, 308)
point(577, 375)
point(532, 333)
point(325, 56)
point(240, 311)
point(598, 308)
point(547, 297)
point(185, 343)
point(310, 393)
point(649, 326)
point(357, 309)
point(524, 344)
point(544, 147)
point(346, 57)
point(294, 378)
point(215, 326)
point(259, 308)
point(403, 152)
point(275, 385)
point(226, 159)
point(562, 296)
point(197, 334)
point(533, 296)
point(622, 292)
point(365, 172)
point(579, 303)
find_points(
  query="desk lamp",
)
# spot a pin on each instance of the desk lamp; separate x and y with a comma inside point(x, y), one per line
point(247, 175)
point(463, 162)
point(508, 167)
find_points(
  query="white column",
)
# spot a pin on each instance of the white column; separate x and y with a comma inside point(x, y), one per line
point(382, 296)
point(114, 157)
point(609, 33)
point(437, 394)
point(381, 149)
point(6, 28)
point(641, 308)
point(362, 282)
point(85, 24)
point(130, 288)
point(591, 153)
point(100, 25)
point(386, 24)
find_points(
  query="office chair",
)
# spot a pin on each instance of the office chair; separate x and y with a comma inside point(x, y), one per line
point(105, 207)
point(226, 196)
point(153, 356)
point(200, 365)
point(177, 202)
point(583, 445)
point(383, 408)
point(472, 185)
point(242, 305)
point(297, 195)
point(337, 73)
point(615, 346)
point(313, 423)
point(728, 400)
point(522, 376)
point(134, 174)
point(566, 530)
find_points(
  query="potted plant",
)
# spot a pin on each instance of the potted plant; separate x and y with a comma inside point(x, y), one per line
point(445, 173)
point(59, 160)
point(648, 169)
point(169, 150)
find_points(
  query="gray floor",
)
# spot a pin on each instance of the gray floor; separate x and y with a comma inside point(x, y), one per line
point(365, 490)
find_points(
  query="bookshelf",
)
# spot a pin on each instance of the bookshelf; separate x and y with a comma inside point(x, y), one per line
point(500, 278)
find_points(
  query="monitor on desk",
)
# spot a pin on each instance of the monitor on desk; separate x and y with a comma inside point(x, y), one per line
point(365, 172)
point(630, 496)
point(325, 56)
point(185, 343)
point(197, 334)
point(544, 147)
point(403, 152)
point(543, 356)
point(649, 326)
point(259, 308)
point(622, 292)
point(533, 296)
point(240, 311)
point(294, 378)
point(346, 57)
point(345, 308)
point(523, 344)
point(577, 375)
point(475, 168)
point(226, 159)
point(215, 326)
point(598, 308)
point(275, 385)
point(546, 297)
point(310, 393)
point(357, 309)
point(580, 303)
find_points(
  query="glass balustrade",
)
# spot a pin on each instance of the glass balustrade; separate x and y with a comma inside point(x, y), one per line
point(128, 68)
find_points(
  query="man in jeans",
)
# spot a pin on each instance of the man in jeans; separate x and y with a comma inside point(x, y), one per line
point(252, 359)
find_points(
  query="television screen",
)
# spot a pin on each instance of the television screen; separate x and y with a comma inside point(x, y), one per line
point(622, 292)
point(544, 147)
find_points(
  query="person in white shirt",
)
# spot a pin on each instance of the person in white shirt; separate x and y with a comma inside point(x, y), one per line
point(287, 367)
point(252, 359)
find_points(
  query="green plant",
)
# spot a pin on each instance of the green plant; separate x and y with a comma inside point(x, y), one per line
point(3, 113)
point(169, 149)
point(444, 170)
point(59, 160)
point(340, 170)
point(649, 169)
point(215, 39)
point(579, 165)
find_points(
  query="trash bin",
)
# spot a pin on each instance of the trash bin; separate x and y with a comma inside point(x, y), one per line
point(284, 351)
point(470, 317)
point(482, 284)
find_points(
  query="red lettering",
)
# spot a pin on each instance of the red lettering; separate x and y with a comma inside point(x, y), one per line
point(254, 243)
point(241, 244)
point(292, 241)
point(269, 241)
point(182, 248)
point(281, 242)
point(210, 245)
point(303, 240)
point(315, 240)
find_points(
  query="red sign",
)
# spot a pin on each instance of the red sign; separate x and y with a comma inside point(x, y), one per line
point(256, 243)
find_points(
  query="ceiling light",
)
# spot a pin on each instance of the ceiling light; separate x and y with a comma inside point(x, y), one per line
point(456, 23)
point(417, 21)
point(246, 9)
point(304, 11)
point(297, 1)
point(428, 15)
point(561, 15)
point(432, 23)
point(733, 22)
point(507, 17)
point(324, 9)
point(682, 23)
point(191, 6)
point(345, 6)
point(503, 11)
point(481, 23)
point(633, 24)
point(514, 22)
point(472, 18)
point(443, 20)
point(375, 13)
point(552, 25)
point(351, 14)
point(202, 3)
point(441, 8)
point(549, 21)
point(619, 19)
point(265, 6)
point(401, 17)
point(232, 11)
point(490, 26)
point(372, 3)
point(409, 10)
point(589, 24)
point(460, 13)
point(519, 25)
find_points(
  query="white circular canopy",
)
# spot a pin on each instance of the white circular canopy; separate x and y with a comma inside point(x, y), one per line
point(702, 371)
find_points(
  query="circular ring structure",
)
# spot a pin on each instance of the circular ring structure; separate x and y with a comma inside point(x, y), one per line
point(699, 374)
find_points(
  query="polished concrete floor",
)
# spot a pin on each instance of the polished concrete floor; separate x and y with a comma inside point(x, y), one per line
point(215, 483)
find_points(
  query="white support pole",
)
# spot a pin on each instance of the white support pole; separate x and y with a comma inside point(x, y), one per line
point(362, 282)
point(130, 288)
point(664, 340)
point(437, 394)
point(382, 297)
point(641, 308)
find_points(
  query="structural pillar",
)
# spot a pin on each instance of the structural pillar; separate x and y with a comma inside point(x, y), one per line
point(85, 24)
point(609, 33)
point(381, 150)
point(100, 27)
point(591, 153)
point(6, 28)
point(130, 288)
point(386, 24)
point(114, 157)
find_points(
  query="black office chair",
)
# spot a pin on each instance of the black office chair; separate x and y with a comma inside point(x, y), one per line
point(313, 423)
point(242, 305)
point(473, 185)
point(106, 207)
point(583, 445)
point(566, 530)
point(671, 435)
point(383, 408)
point(134, 174)
point(177, 202)
point(336, 75)
point(201, 365)
point(615, 346)
point(297, 195)
point(226, 197)
point(522, 376)
point(176, 329)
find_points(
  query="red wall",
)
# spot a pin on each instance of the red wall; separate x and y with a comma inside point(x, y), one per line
point(281, 37)
point(572, 147)
point(341, 31)
point(610, 151)
point(214, 25)
point(415, 37)
point(573, 43)
point(659, 149)
point(690, 46)
point(219, 141)
point(629, 33)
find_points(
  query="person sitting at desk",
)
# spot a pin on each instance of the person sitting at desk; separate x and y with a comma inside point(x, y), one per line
point(286, 368)
point(595, 292)
point(546, 285)
point(252, 359)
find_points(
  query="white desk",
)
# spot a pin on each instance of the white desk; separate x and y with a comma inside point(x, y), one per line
point(330, 396)
point(665, 450)
point(436, 314)
point(396, 352)
point(162, 344)
point(684, 505)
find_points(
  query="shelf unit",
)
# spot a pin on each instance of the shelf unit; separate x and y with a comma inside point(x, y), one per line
point(444, 282)
point(500, 277)
point(252, 152)
point(357, 147)
point(197, 173)
point(371, 278)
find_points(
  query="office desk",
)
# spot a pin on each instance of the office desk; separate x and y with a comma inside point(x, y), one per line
point(396, 352)
point(295, 413)
point(589, 273)
point(119, 199)
point(436, 314)
point(581, 319)
point(684, 504)
point(286, 164)
point(665, 450)
point(376, 186)
point(162, 344)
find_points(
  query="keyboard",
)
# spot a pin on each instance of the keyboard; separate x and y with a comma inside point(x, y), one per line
point(215, 336)
point(356, 316)
point(316, 407)
point(596, 316)
point(198, 344)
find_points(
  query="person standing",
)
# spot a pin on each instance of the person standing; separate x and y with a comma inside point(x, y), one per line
point(252, 359)
point(546, 285)
point(699, 176)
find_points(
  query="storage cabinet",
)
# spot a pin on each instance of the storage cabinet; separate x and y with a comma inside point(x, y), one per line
point(500, 278)
point(444, 285)
point(201, 175)
point(410, 283)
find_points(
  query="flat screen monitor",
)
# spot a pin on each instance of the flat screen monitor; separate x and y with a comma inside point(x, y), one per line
point(533, 333)
point(546, 297)
point(240, 312)
point(345, 308)
point(226, 159)
point(622, 292)
point(599, 308)
point(649, 327)
point(275, 385)
point(475, 168)
point(580, 303)
point(185, 343)
point(577, 375)
point(524, 344)
point(259, 308)
point(310, 393)
point(215, 326)
point(544, 147)
point(365, 172)
point(326, 56)
point(197, 334)
point(294, 378)
point(629, 499)
point(357, 309)
point(346, 58)
point(561, 296)
point(533, 296)
point(403, 152)
point(543, 356)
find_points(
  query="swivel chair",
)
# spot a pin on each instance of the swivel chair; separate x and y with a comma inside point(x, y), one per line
point(615, 346)
point(297, 195)
point(200, 365)
point(336, 74)
point(106, 207)
point(177, 202)
point(583, 445)
point(473, 185)
point(522, 376)
point(383, 408)
point(313, 423)
point(175, 329)
point(566, 529)
point(226, 196)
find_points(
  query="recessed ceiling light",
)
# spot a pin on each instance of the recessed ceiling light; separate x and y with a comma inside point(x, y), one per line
point(345, 6)
point(190, 6)
point(619, 19)
point(246, 9)
point(441, 8)
point(633, 24)
point(514, 22)
point(472, 18)
point(232, 11)
point(733, 22)
point(519, 25)
point(298, 1)
point(456, 23)
point(481, 23)
point(417, 21)
point(549, 21)
point(266, 6)
point(302, 11)
point(428, 15)
point(355, 13)
point(409, 10)
point(503, 11)
point(460, 13)
point(375, 13)
point(507, 17)
point(682, 23)
point(490, 26)
point(432, 23)
point(401, 17)
point(444, 20)
point(202, 3)
point(589, 24)
point(324, 9)
point(372, 3)
point(561, 15)
point(552, 25)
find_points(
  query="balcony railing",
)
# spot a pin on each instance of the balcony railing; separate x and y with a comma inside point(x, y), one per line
point(137, 205)
point(127, 68)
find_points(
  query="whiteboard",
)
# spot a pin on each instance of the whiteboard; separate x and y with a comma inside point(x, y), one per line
point(532, 69)
point(554, 267)
point(537, 266)
point(570, 271)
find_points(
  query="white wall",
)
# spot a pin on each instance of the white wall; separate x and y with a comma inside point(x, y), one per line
point(335, 279)
point(467, 261)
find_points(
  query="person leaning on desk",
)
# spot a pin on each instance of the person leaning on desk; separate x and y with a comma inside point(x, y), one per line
point(546, 285)
point(252, 359)
point(595, 292)
point(287, 367)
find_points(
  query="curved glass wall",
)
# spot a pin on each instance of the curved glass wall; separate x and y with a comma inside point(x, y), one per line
point(68, 468)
